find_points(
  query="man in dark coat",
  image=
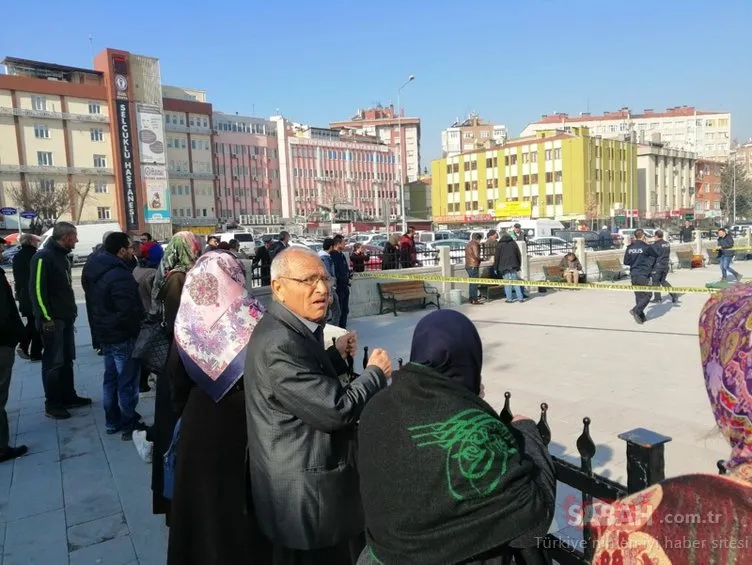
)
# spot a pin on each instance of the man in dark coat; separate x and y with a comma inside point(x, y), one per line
point(86, 283)
point(280, 245)
point(55, 312)
point(117, 311)
point(301, 420)
point(408, 255)
point(507, 264)
point(687, 233)
point(342, 282)
point(30, 345)
point(11, 327)
point(264, 261)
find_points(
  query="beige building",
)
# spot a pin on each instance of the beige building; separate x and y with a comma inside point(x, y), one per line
point(471, 134)
point(743, 155)
point(707, 134)
point(665, 181)
point(188, 139)
point(55, 135)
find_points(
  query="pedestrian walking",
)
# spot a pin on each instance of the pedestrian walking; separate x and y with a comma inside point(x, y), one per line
point(640, 257)
point(263, 261)
point(11, 327)
point(117, 311)
point(687, 233)
point(30, 344)
point(472, 265)
point(408, 256)
point(662, 267)
point(726, 254)
point(55, 312)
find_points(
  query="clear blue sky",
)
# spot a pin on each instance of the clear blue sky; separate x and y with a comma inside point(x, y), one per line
point(510, 61)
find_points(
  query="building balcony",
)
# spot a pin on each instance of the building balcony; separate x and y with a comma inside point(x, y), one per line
point(45, 114)
point(187, 129)
point(42, 170)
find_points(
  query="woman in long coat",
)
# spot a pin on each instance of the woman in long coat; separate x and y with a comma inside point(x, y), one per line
point(179, 257)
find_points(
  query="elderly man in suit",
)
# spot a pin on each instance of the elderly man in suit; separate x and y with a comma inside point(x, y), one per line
point(301, 420)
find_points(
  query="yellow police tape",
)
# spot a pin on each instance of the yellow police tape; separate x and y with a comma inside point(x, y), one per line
point(544, 284)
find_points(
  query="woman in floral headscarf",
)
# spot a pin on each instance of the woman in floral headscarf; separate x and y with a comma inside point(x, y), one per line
point(179, 257)
point(700, 519)
point(209, 523)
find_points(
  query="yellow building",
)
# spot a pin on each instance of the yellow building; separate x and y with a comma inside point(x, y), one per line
point(563, 175)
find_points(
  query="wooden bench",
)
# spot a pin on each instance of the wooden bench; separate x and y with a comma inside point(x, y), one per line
point(712, 257)
point(489, 290)
point(554, 273)
point(684, 259)
point(610, 269)
point(406, 291)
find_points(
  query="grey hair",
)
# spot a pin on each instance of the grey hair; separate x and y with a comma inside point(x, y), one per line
point(28, 239)
point(62, 229)
point(106, 234)
point(283, 263)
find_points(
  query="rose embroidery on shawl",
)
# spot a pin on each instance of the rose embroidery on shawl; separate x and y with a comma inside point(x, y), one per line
point(478, 447)
point(204, 289)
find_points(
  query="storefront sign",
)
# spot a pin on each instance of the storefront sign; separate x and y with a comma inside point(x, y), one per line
point(514, 209)
point(127, 169)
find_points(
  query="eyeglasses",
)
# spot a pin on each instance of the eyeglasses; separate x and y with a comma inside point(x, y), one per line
point(313, 280)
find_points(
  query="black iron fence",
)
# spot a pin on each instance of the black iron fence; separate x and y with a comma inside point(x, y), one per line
point(548, 247)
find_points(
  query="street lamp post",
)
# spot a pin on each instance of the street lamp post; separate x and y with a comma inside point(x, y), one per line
point(401, 151)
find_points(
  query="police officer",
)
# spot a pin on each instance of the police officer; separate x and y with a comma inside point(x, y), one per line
point(640, 257)
point(662, 266)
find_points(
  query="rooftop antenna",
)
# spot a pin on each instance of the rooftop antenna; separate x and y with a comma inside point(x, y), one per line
point(91, 47)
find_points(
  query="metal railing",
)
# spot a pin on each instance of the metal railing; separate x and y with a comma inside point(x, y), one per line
point(187, 129)
point(47, 114)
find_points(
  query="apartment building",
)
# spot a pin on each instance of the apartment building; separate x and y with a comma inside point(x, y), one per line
point(246, 161)
point(707, 134)
point(743, 155)
point(708, 188)
point(665, 181)
point(190, 168)
point(323, 169)
point(56, 134)
point(399, 132)
point(471, 134)
point(563, 175)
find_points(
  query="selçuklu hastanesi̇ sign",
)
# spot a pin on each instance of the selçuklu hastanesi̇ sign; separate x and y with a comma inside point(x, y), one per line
point(125, 143)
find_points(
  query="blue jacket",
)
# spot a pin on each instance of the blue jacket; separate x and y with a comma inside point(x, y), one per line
point(341, 269)
point(640, 257)
point(116, 309)
point(326, 258)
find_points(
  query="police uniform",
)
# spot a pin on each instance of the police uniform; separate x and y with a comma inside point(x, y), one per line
point(640, 257)
point(662, 266)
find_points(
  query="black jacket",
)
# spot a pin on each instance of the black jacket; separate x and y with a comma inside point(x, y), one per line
point(341, 269)
point(663, 262)
point(725, 245)
point(277, 247)
point(640, 257)
point(508, 257)
point(21, 277)
point(301, 434)
point(116, 307)
point(50, 284)
point(11, 326)
point(686, 234)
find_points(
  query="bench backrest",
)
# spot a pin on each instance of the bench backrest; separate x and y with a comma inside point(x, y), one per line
point(402, 287)
point(552, 270)
point(609, 263)
point(684, 254)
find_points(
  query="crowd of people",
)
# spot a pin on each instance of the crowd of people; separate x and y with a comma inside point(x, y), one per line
point(267, 450)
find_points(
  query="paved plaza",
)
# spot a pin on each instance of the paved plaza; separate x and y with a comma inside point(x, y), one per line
point(82, 497)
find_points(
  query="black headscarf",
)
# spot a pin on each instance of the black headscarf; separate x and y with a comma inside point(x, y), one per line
point(447, 342)
point(443, 480)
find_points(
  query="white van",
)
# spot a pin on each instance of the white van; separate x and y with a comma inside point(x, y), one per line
point(431, 236)
point(244, 239)
point(533, 228)
point(89, 236)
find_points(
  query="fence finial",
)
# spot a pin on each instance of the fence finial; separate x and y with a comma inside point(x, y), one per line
point(543, 428)
point(334, 341)
point(585, 444)
point(399, 362)
point(721, 464)
point(365, 357)
point(506, 412)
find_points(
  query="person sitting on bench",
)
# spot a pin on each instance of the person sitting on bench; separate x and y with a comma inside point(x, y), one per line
point(571, 268)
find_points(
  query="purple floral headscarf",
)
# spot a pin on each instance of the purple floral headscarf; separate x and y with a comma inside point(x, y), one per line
point(726, 348)
point(215, 321)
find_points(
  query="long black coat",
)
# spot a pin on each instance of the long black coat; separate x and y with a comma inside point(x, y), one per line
point(301, 434)
point(21, 277)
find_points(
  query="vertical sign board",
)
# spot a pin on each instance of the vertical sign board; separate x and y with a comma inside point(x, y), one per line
point(125, 146)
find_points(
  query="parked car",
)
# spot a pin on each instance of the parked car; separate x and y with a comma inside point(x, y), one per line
point(546, 246)
point(9, 253)
point(456, 249)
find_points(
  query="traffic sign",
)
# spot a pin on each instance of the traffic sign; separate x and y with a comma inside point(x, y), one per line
point(689, 217)
point(8, 211)
point(29, 214)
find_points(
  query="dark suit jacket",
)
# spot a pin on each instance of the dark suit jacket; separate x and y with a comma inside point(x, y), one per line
point(301, 434)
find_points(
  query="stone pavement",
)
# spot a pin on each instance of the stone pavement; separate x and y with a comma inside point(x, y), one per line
point(81, 497)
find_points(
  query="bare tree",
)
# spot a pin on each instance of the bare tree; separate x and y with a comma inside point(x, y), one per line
point(592, 208)
point(51, 200)
point(735, 182)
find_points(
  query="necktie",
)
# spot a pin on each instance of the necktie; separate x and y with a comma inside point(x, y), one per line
point(319, 335)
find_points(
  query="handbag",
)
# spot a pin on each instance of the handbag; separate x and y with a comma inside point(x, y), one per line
point(152, 344)
point(169, 462)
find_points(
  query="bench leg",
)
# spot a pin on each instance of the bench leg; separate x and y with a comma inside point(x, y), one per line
point(394, 307)
point(424, 304)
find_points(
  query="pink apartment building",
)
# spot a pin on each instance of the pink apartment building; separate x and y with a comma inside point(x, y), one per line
point(246, 161)
point(321, 168)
